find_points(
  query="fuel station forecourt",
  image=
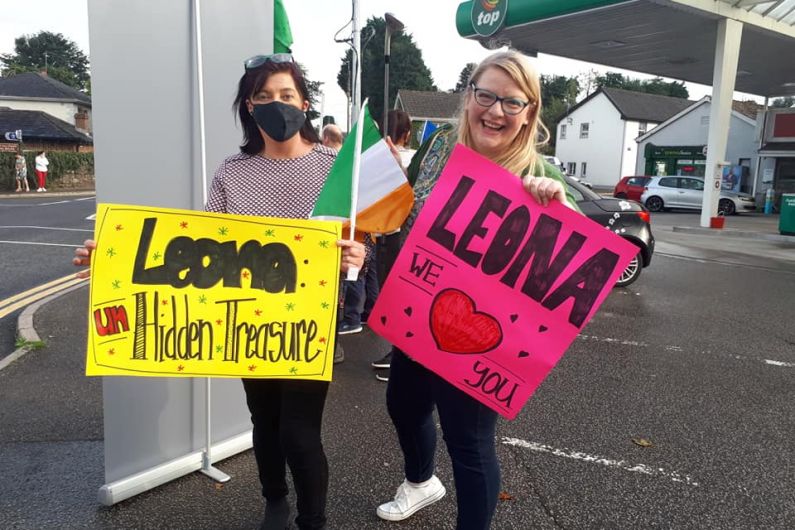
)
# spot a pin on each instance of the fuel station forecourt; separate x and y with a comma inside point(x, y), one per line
point(715, 43)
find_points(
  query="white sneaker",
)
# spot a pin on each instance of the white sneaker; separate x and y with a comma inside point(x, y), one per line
point(44, 189)
point(38, 190)
point(410, 498)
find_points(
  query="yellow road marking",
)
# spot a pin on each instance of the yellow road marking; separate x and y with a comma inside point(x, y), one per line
point(29, 292)
point(35, 294)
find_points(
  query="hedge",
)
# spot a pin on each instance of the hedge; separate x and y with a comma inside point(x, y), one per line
point(61, 164)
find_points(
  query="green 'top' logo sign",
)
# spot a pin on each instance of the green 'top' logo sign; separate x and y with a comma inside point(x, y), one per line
point(488, 16)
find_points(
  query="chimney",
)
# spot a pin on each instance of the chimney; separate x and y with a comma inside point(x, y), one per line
point(81, 121)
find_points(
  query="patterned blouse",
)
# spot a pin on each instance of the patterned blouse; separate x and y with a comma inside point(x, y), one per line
point(267, 187)
point(255, 185)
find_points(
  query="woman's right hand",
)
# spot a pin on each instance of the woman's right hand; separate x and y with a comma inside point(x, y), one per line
point(83, 258)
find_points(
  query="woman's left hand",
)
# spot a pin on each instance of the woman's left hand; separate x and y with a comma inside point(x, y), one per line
point(352, 254)
point(543, 189)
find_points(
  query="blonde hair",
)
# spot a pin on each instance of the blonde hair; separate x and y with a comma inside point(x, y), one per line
point(522, 154)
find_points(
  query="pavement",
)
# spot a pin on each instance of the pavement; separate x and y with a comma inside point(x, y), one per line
point(51, 440)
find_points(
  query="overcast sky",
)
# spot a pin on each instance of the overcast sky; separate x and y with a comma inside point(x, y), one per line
point(314, 24)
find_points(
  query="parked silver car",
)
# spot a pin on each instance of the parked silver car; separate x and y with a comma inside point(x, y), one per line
point(662, 193)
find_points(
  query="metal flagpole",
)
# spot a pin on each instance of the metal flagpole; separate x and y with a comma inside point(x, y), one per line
point(207, 467)
point(356, 35)
point(353, 273)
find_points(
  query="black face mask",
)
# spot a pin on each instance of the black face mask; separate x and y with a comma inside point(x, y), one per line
point(279, 120)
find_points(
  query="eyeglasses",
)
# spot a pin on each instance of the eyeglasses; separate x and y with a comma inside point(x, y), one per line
point(259, 60)
point(487, 98)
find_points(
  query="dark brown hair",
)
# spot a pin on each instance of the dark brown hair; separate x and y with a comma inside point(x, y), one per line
point(398, 124)
point(251, 83)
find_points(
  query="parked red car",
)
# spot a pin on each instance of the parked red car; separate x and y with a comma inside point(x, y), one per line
point(630, 187)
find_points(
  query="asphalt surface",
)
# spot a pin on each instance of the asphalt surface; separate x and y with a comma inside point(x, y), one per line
point(38, 234)
point(697, 357)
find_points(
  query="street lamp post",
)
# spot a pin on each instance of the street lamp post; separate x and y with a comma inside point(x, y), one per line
point(393, 25)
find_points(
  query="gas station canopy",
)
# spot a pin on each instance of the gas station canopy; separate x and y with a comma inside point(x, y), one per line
point(669, 38)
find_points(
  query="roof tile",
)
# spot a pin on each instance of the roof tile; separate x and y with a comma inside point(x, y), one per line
point(39, 125)
point(34, 85)
point(434, 105)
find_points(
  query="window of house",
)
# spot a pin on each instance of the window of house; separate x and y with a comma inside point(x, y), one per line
point(642, 127)
point(572, 168)
point(584, 167)
point(584, 130)
point(563, 132)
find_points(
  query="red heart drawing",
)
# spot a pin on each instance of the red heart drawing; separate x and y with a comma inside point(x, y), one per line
point(458, 328)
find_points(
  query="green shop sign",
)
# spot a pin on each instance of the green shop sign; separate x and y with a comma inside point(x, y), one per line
point(685, 151)
point(488, 16)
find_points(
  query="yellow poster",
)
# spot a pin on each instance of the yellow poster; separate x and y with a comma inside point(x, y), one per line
point(195, 294)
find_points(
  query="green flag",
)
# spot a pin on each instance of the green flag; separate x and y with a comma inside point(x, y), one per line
point(384, 197)
point(282, 36)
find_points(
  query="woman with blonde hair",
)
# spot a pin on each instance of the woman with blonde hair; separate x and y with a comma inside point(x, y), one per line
point(499, 119)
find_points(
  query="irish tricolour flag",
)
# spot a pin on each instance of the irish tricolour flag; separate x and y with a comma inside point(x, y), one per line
point(383, 197)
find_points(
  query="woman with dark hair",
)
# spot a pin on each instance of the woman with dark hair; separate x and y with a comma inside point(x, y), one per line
point(400, 133)
point(279, 173)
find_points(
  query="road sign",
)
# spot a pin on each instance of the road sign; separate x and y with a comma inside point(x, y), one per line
point(14, 136)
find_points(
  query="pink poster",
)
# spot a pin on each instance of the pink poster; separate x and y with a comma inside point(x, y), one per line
point(491, 288)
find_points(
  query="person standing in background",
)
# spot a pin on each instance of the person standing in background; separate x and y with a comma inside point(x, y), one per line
point(388, 246)
point(21, 171)
point(41, 170)
point(399, 134)
point(332, 136)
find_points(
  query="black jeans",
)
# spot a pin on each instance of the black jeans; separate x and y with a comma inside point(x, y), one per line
point(287, 416)
point(468, 428)
point(360, 296)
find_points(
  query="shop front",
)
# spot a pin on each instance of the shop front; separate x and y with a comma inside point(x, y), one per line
point(777, 154)
point(685, 160)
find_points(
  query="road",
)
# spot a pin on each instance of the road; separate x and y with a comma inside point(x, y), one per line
point(38, 234)
point(696, 358)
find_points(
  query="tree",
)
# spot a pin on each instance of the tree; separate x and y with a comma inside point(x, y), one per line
point(463, 77)
point(587, 81)
point(407, 70)
point(314, 94)
point(558, 95)
point(783, 103)
point(60, 56)
point(657, 85)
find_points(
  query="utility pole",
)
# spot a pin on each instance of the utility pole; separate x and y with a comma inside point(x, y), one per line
point(357, 72)
point(393, 25)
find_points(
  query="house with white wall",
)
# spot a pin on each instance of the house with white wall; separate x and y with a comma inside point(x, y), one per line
point(678, 145)
point(596, 137)
point(39, 92)
point(427, 110)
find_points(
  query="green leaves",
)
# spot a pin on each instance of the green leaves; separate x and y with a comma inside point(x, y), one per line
point(62, 58)
point(657, 85)
point(407, 69)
